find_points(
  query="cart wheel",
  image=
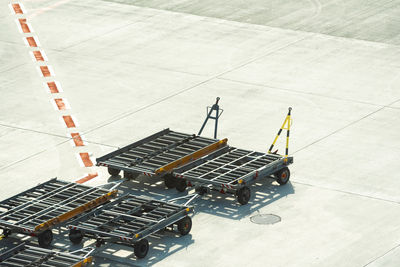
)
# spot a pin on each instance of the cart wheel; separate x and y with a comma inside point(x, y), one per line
point(170, 181)
point(99, 242)
point(113, 172)
point(6, 232)
point(181, 185)
point(75, 236)
point(243, 195)
point(130, 175)
point(185, 225)
point(45, 238)
point(282, 176)
point(141, 248)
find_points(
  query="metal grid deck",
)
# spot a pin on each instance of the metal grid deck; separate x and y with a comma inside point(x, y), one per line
point(231, 166)
point(49, 204)
point(152, 154)
point(130, 218)
point(24, 255)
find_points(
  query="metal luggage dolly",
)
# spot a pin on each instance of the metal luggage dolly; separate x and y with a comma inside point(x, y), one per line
point(39, 209)
point(159, 154)
point(24, 255)
point(129, 220)
point(231, 170)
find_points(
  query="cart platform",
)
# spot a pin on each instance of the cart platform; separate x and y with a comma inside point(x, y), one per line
point(129, 220)
point(159, 153)
point(230, 169)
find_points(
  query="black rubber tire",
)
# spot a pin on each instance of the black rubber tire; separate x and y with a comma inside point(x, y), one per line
point(181, 185)
point(75, 236)
point(130, 175)
point(170, 181)
point(6, 232)
point(141, 248)
point(99, 243)
point(185, 225)
point(113, 172)
point(243, 195)
point(45, 238)
point(283, 176)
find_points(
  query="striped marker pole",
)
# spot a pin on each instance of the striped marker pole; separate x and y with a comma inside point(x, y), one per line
point(288, 122)
point(60, 104)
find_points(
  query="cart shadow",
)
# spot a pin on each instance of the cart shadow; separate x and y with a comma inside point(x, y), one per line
point(160, 248)
point(264, 192)
point(162, 245)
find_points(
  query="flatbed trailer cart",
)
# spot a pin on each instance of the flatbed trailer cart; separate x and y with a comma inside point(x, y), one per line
point(159, 154)
point(231, 169)
point(51, 204)
point(25, 255)
point(129, 220)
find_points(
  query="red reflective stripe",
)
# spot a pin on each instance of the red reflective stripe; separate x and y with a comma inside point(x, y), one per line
point(69, 121)
point(60, 104)
point(38, 56)
point(86, 159)
point(17, 8)
point(31, 41)
point(24, 26)
point(45, 71)
point(52, 86)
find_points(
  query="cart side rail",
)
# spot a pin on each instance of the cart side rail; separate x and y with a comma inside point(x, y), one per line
point(242, 180)
point(266, 170)
point(19, 228)
point(193, 156)
point(135, 236)
point(84, 262)
point(125, 148)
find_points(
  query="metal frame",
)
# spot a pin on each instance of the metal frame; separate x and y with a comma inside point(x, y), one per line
point(48, 205)
point(230, 168)
point(129, 219)
point(218, 113)
point(160, 153)
point(24, 255)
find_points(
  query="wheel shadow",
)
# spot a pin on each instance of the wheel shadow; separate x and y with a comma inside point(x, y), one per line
point(264, 192)
point(161, 246)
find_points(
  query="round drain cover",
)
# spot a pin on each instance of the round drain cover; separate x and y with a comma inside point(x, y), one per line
point(265, 219)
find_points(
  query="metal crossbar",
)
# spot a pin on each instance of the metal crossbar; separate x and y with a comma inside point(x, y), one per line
point(24, 255)
point(46, 201)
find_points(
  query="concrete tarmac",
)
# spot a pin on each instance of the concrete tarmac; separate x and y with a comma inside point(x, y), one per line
point(132, 68)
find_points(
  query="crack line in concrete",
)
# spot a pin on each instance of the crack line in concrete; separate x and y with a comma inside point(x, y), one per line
point(301, 92)
point(387, 252)
point(127, 114)
point(346, 126)
point(347, 192)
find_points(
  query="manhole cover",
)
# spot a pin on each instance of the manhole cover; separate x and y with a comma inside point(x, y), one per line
point(265, 219)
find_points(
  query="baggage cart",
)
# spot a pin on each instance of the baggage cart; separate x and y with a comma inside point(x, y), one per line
point(129, 220)
point(51, 204)
point(159, 154)
point(232, 170)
